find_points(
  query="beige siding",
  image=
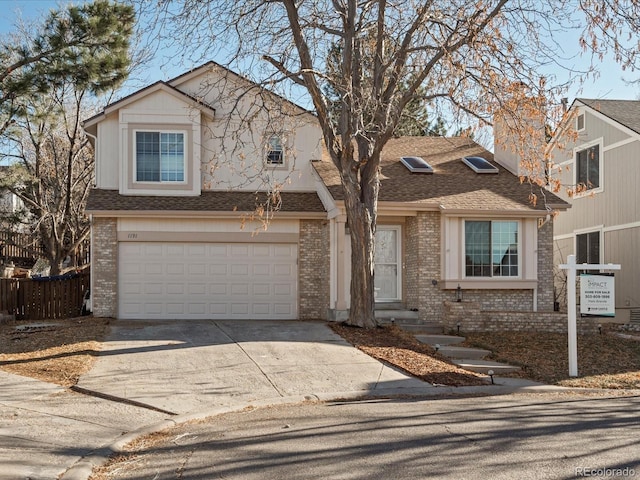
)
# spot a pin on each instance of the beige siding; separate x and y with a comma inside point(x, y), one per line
point(623, 247)
point(233, 157)
point(615, 211)
point(224, 152)
point(619, 201)
point(108, 153)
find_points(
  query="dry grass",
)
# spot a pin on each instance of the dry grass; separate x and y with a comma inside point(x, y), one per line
point(56, 351)
point(604, 361)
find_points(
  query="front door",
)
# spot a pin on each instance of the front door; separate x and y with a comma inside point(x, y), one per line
point(387, 264)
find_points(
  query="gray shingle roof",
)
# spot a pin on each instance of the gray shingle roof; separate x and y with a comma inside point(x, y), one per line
point(625, 112)
point(110, 200)
point(453, 185)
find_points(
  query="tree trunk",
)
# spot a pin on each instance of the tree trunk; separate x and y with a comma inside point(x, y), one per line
point(361, 200)
point(362, 308)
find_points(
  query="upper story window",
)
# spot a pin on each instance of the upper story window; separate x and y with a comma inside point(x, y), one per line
point(588, 167)
point(588, 247)
point(580, 122)
point(491, 248)
point(275, 151)
point(159, 156)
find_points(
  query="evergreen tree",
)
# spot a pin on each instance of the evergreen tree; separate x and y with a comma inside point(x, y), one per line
point(87, 45)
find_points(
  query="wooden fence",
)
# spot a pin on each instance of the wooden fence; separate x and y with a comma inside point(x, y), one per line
point(43, 298)
point(20, 246)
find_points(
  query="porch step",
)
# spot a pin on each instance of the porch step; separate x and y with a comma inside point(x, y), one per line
point(635, 317)
point(426, 328)
point(397, 315)
point(463, 352)
point(440, 339)
point(467, 358)
point(390, 306)
point(484, 366)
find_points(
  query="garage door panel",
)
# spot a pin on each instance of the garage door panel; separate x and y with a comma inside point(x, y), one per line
point(218, 289)
point(241, 270)
point(197, 289)
point(197, 308)
point(201, 281)
point(218, 269)
point(175, 289)
point(153, 268)
point(261, 269)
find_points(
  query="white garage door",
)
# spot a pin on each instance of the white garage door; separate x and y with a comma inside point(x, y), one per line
point(207, 281)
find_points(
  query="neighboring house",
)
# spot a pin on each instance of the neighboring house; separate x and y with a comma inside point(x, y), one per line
point(169, 239)
point(599, 154)
point(9, 202)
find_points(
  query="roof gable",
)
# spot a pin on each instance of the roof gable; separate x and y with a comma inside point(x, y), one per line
point(159, 86)
point(624, 112)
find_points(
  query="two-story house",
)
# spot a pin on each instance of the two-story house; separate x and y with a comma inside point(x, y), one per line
point(597, 160)
point(183, 169)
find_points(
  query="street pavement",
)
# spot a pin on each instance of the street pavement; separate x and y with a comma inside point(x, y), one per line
point(517, 436)
point(152, 375)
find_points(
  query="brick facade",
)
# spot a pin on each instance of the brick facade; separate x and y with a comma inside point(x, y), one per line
point(313, 270)
point(545, 267)
point(423, 266)
point(104, 295)
point(507, 308)
point(469, 317)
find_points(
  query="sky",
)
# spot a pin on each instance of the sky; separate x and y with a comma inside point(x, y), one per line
point(610, 84)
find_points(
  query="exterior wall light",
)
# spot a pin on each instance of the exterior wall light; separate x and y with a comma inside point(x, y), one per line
point(458, 294)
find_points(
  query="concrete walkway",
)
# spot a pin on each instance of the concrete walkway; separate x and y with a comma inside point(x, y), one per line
point(153, 374)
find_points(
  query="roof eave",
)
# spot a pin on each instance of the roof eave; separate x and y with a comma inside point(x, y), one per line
point(199, 213)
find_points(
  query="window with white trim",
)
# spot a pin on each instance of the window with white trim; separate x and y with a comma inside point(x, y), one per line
point(275, 151)
point(159, 156)
point(588, 247)
point(580, 122)
point(491, 248)
point(588, 167)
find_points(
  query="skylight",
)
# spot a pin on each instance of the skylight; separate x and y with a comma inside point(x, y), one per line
point(479, 165)
point(416, 164)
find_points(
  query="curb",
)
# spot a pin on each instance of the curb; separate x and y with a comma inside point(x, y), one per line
point(83, 468)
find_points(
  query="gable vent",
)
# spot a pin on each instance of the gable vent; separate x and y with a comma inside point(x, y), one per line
point(479, 165)
point(416, 164)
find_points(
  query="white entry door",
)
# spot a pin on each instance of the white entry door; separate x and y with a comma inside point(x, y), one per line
point(387, 262)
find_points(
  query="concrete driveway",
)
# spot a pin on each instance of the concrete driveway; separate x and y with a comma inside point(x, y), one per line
point(151, 375)
point(179, 367)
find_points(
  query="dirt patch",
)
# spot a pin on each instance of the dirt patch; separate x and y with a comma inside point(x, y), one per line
point(398, 348)
point(56, 351)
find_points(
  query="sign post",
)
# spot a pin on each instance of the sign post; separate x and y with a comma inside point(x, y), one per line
point(572, 330)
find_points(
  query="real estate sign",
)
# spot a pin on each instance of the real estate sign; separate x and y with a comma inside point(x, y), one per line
point(597, 295)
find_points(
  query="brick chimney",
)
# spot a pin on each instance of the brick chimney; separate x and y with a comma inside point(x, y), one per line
point(519, 133)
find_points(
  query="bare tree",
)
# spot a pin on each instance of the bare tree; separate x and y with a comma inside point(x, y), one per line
point(52, 172)
point(467, 59)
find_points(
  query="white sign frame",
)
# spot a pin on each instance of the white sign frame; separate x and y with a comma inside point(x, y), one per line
point(572, 330)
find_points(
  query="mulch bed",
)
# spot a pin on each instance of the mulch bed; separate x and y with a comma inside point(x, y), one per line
point(394, 346)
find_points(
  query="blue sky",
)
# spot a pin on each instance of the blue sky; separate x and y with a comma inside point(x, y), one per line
point(610, 84)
